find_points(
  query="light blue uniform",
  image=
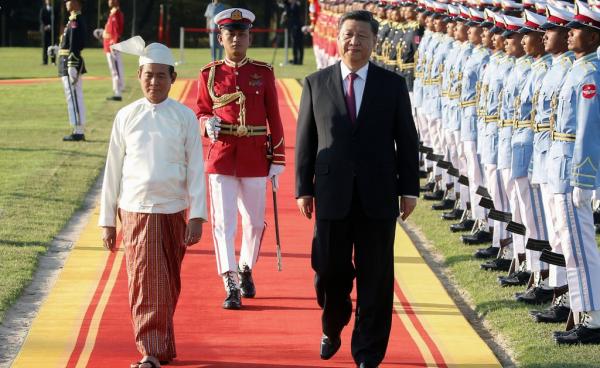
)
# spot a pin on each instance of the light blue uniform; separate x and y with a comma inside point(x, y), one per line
point(510, 99)
point(432, 78)
point(489, 153)
point(522, 137)
point(573, 161)
point(471, 74)
point(419, 69)
point(484, 88)
point(545, 111)
point(454, 113)
point(436, 76)
point(447, 77)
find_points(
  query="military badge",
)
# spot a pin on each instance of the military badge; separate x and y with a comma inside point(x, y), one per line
point(589, 90)
point(256, 80)
point(236, 15)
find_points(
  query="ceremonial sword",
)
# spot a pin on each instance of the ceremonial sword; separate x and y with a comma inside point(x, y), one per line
point(277, 239)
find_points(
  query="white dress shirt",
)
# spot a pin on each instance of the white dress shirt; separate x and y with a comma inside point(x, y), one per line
point(154, 162)
point(359, 82)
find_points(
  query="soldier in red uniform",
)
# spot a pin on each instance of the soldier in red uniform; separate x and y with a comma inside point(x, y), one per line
point(237, 109)
point(111, 35)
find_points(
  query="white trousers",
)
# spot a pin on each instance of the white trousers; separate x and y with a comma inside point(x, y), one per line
point(461, 164)
point(532, 216)
point(475, 175)
point(513, 204)
point(115, 65)
point(578, 240)
point(228, 194)
point(558, 275)
point(494, 186)
point(75, 104)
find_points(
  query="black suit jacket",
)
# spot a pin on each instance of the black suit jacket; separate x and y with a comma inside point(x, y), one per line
point(378, 153)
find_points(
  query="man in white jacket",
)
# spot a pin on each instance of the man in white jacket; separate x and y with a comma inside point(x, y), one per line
point(154, 172)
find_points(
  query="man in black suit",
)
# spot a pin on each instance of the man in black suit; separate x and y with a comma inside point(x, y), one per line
point(356, 153)
point(46, 24)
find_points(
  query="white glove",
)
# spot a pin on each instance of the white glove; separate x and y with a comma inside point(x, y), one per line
point(582, 197)
point(73, 74)
point(98, 33)
point(274, 171)
point(213, 126)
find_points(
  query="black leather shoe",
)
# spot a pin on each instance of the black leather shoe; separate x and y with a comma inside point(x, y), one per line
point(465, 225)
point(423, 174)
point(579, 335)
point(233, 300)
point(114, 98)
point(554, 314)
point(480, 237)
point(434, 196)
point(535, 295)
point(498, 264)
point(455, 214)
point(597, 229)
point(518, 278)
point(329, 346)
point(366, 365)
point(488, 252)
point(444, 204)
point(74, 137)
point(247, 288)
point(428, 187)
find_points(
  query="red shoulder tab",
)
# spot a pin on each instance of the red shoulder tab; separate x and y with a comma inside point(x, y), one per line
point(209, 65)
point(260, 63)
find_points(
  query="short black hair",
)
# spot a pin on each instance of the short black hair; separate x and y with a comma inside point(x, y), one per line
point(362, 16)
point(171, 69)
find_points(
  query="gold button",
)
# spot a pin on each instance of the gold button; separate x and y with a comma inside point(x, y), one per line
point(256, 92)
point(236, 73)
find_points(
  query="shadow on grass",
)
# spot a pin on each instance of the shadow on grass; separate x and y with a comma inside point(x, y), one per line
point(14, 243)
point(53, 150)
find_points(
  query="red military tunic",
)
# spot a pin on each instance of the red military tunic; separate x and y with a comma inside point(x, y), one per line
point(113, 29)
point(241, 156)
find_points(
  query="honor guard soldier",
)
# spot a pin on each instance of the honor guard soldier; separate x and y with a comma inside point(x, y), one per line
point(111, 35)
point(71, 68)
point(237, 107)
point(573, 174)
point(394, 38)
point(385, 25)
point(555, 44)
point(408, 46)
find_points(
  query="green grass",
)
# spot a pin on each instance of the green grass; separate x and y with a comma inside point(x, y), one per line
point(531, 343)
point(45, 180)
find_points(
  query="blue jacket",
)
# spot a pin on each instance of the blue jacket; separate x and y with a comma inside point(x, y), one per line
point(471, 74)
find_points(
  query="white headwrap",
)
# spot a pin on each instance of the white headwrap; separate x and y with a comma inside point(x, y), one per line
point(154, 53)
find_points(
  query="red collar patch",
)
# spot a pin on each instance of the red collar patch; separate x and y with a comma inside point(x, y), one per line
point(589, 90)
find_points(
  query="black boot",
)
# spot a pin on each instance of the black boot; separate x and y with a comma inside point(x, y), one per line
point(535, 295)
point(464, 225)
point(247, 287)
point(74, 137)
point(434, 196)
point(557, 313)
point(444, 204)
point(428, 187)
point(518, 278)
point(581, 334)
point(498, 264)
point(479, 237)
point(455, 214)
point(233, 299)
point(488, 252)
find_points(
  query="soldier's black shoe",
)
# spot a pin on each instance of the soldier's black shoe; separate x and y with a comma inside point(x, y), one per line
point(515, 279)
point(488, 252)
point(330, 346)
point(579, 335)
point(498, 264)
point(597, 229)
point(366, 365)
point(465, 225)
point(554, 314)
point(423, 174)
point(114, 98)
point(434, 196)
point(233, 300)
point(535, 295)
point(247, 288)
point(74, 138)
point(480, 237)
point(455, 214)
point(444, 204)
point(428, 187)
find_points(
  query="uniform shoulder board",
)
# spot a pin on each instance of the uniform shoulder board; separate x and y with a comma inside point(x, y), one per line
point(209, 65)
point(261, 63)
point(589, 67)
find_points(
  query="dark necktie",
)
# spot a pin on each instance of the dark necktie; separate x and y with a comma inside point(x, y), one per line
point(350, 100)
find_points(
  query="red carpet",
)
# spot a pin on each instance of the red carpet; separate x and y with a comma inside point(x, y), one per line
point(279, 328)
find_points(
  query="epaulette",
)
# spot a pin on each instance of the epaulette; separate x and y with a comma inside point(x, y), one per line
point(73, 15)
point(216, 62)
point(261, 63)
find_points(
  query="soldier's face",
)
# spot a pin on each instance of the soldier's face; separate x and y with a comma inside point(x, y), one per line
point(555, 40)
point(235, 41)
point(440, 26)
point(156, 81)
point(498, 42)
point(355, 42)
point(583, 40)
point(396, 17)
point(461, 32)
point(450, 28)
point(513, 46)
point(487, 38)
point(474, 35)
point(532, 43)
